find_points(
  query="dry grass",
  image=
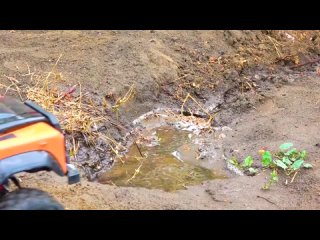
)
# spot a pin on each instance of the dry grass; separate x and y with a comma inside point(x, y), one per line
point(210, 116)
point(277, 45)
point(122, 100)
point(78, 115)
point(292, 47)
point(74, 115)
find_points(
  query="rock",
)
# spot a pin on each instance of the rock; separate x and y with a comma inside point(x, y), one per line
point(226, 128)
point(257, 77)
point(222, 135)
point(177, 155)
point(232, 74)
point(174, 39)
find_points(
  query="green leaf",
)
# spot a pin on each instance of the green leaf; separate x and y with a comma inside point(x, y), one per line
point(297, 164)
point(286, 160)
point(303, 154)
point(253, 170)
point(291, 151)
point(285, 146)
point(234, 161)
point(247, 162)
point(307, 165)
point(274, 176)
point(266, 158)
point(281, 164)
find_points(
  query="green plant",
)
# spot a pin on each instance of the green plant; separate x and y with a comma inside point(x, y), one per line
point(288, 159)
point(273, 179)
point(234, 162)
point(246, 165)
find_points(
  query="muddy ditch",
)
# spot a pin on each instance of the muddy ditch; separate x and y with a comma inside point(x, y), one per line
point(227, 72)
point(166, 151)
point(171, 149)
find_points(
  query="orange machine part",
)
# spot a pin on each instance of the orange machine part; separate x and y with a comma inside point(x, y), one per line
point(35, 137)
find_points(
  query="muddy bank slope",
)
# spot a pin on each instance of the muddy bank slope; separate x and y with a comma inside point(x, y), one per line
point(238, 73)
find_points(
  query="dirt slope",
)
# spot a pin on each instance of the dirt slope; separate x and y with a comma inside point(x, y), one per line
point(291, 112)
point(237, 72)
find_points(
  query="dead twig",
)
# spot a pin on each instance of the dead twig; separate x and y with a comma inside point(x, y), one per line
point(138, 148)
point(211, 117)
point(116, 153)
point(14, 83)
point(52, 70)
point(135, 173)
point(267, 200)
point(12, 79)
point(274, 44)
point(179, 78)
point(283, 58)
point(249, 85)
point(294, 176)
point(212, 196)
point(75, 149)
point(70, 91)
point(306, 63)
point(123, 100)
point(215, 199)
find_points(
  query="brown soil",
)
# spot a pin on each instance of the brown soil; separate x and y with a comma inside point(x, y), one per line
point(259, 98)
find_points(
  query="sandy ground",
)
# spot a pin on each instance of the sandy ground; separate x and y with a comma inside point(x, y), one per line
point(284, 107)
point(290, 114)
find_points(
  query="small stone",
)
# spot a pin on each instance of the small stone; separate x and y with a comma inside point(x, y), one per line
point(257, 77)
point(174, 39)
point(222, 135)
point(225, 128)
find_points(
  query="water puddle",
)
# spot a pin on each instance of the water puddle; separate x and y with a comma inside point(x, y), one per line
point(170, 160)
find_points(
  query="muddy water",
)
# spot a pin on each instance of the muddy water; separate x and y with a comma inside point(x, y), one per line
point(169, 162)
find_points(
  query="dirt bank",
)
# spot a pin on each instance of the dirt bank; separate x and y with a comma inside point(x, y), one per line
point(245, 76)
point(276, 120)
